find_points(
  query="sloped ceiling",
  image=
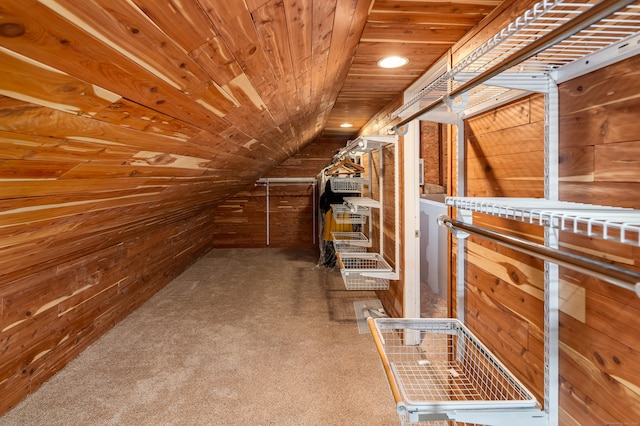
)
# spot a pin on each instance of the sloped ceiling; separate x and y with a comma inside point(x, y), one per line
point(196, 98)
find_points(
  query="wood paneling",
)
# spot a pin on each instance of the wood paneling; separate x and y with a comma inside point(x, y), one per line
point(504, 289)
point(125, 123)
point(241, 221)
point(599, 350)
point(50, 317)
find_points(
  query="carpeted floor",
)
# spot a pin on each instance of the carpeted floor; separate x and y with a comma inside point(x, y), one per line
point(244, 337)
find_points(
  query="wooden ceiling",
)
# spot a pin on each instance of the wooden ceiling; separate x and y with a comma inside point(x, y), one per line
point(214, 93)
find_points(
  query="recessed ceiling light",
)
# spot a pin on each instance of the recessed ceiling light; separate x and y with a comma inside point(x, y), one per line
point(346, 125)
point(393, 62)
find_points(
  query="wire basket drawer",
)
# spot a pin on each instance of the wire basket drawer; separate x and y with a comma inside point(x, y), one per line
point(353, 238)
point(347, 184)
point(344, 215)
point(357, 270)
point(347, 247)
point(437, 366)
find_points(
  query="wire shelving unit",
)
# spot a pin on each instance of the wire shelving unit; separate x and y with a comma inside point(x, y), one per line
point(362, 270)
point(342, 214)
point(551, 43)
point(448, 92)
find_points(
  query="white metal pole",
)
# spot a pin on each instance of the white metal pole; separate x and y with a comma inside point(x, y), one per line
point(313, 212)
point(381, 186)
point(411, 214)
point(267, 200)
point(460, 192)
point(551, 269)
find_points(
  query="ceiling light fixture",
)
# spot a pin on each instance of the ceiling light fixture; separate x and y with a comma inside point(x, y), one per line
point(393, 62)
point(346, 125)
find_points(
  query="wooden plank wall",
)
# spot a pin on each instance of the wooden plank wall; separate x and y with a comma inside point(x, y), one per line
point(503, 294)
point(56, 302)
point(241, 221)
point(600, 159)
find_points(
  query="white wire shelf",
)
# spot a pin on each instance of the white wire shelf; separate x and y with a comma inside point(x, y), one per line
point(609, 223)
point(447, 374)
point(540, 20)
point(364, 271)
point(354, 238)
point(355, 203)
point(347, 184)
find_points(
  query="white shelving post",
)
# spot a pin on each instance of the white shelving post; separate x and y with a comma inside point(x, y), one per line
point(411, 194)
point(551, 269)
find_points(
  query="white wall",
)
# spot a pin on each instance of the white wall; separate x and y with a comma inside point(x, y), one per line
point(433, 244)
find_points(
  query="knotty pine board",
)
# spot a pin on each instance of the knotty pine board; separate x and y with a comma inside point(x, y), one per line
point(45, 39)
point(243, 43)
point(271, 16)
point(173, 18)
point(27, 118)
point(300, 47)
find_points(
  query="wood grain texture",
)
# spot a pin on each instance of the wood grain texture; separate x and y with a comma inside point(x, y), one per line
point(598, 347)
point(126, 124)
point(503, 288)
point(241, 220)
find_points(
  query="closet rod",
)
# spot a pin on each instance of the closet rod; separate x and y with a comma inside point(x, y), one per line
point(613, 274)
point(579, 23)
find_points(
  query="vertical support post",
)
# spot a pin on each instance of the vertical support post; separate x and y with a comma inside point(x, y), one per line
point(313, 211)
point(551, 270)
point(411, 214)
point(461, 242)
point(267, 201)
point(381, 191)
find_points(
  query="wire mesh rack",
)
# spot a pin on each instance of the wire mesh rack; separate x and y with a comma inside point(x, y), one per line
point(437, 369)
point(359, 271)
point(347, 184)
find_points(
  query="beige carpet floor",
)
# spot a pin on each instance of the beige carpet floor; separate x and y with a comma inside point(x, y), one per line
point(244, 337)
